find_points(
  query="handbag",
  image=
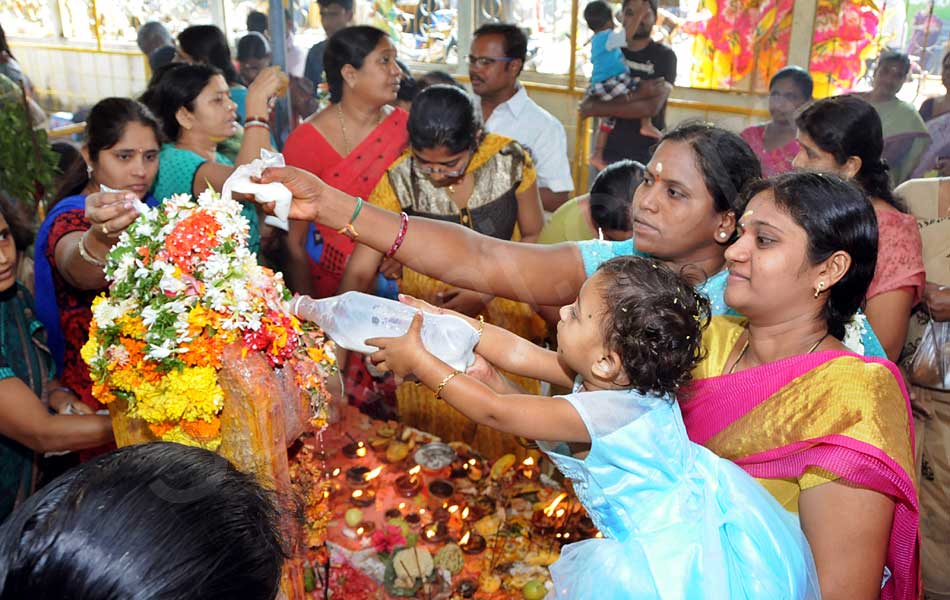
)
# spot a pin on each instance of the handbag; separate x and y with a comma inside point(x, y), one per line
point(930, 365)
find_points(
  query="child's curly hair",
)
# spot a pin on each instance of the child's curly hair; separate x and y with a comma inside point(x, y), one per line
point(654, 320)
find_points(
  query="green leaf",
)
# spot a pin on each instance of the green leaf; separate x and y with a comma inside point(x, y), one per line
point(29, 164)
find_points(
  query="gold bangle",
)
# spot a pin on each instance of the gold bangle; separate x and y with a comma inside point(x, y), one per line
point(481, 327)
point(445, 381)
point(86, 255)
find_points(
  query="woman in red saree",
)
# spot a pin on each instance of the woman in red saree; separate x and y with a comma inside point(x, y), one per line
point(826, 431)
point(349, 145)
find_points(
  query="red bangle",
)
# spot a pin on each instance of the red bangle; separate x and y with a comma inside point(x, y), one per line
point(403, 227)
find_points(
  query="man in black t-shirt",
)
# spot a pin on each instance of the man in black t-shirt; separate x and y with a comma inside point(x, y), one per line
point(655, 65)
point(335, 15)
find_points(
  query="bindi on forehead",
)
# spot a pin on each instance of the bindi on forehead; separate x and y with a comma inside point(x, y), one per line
point(657, 170)
point(136, 150)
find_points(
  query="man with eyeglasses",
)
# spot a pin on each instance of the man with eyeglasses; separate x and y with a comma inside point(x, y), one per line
point(334, 15)
point(655, 65)
point(495, 61)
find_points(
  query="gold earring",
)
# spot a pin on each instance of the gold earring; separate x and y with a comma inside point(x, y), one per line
point(819, 288)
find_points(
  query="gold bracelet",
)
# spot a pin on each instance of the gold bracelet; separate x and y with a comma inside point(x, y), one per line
point(448, 378)
point(86, 255)
point(481, 326)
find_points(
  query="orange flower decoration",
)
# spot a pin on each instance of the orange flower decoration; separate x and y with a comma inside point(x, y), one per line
point(160, 429)
point(192, 240)
point(202, 430)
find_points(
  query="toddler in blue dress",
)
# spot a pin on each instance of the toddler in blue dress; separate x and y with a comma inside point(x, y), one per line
point(678, 521)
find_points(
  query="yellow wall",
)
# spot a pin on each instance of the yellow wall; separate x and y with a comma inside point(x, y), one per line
point(67, 78)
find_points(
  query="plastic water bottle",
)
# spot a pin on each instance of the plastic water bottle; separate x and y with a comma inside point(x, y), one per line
point(352, 318)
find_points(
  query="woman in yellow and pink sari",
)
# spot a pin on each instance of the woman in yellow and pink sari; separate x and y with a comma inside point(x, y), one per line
point(849, 475)
point(826, 431)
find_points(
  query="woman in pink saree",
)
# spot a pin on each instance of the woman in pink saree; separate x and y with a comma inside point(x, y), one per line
point(826, 431)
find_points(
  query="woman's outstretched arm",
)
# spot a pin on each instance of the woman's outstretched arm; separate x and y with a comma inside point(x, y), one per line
point(533, 273)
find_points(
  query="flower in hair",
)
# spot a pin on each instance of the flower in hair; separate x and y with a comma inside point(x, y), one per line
point(854, 332)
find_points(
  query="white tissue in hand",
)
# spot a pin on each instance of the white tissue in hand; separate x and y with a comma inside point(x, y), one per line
point(264, 193)
point(137, 204)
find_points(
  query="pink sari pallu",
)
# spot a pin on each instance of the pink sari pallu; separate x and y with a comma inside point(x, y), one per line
point(831, 411)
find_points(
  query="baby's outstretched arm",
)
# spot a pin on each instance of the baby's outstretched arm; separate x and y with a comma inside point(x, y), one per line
point(505, 350)
point(533, 417)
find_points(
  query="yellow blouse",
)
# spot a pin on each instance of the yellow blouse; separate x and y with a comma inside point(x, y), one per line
point(845, 396)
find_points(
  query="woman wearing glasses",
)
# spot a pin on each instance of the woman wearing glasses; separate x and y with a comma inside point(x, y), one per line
point(454, 172)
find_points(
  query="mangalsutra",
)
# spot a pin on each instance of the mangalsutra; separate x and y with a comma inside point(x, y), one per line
point(346, 141)
point(745, 349)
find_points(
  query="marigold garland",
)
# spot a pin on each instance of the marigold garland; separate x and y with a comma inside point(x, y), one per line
point(183, 285)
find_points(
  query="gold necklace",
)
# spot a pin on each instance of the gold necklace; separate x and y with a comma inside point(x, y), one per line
point(745, 348)
point(346, 141)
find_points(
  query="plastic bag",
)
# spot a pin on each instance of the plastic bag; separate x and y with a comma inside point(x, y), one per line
point(264, 193)
point(930, 365)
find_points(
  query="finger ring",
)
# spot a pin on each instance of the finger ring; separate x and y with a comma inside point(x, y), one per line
point(105, 229)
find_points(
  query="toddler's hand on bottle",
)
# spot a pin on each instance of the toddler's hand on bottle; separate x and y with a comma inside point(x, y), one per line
point(402, 354)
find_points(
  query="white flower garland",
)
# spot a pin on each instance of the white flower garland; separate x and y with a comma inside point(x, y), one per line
point(854, 333)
